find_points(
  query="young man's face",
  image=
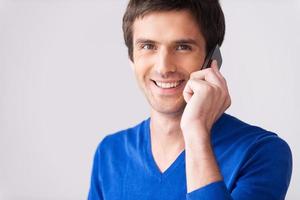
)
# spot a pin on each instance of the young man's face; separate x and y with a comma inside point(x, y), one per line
point(167, 47)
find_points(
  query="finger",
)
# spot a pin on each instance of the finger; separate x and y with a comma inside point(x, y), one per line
point(187, 91)
point(208, 75)
point(197, 86)
point(221, 87)
point(218, 73)
point(215, 67)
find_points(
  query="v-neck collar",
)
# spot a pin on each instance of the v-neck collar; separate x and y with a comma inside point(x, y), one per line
point(150, 158)
point(180, 158)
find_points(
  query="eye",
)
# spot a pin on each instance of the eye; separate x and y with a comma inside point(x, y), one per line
point(184, 47)
point(147, 46)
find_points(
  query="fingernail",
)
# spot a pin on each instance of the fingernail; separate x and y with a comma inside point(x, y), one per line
point(214, 64)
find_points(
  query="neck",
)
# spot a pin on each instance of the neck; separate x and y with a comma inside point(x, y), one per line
point(165, 129)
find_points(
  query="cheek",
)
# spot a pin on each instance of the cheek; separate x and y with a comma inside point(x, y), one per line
point(190, 63)
point(140, 70)
point(143, 58)
point(142, 65)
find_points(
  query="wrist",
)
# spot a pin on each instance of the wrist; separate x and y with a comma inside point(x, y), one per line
point(196, 136)
point(194, 126)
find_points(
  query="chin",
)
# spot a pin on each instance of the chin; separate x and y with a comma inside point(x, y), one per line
point(168, 108)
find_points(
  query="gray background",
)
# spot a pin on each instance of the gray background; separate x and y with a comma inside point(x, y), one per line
point(65, 82)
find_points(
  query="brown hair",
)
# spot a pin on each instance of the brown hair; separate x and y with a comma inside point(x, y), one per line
point(208, 14)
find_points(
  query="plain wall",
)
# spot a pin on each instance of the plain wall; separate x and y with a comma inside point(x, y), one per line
point(66, 82)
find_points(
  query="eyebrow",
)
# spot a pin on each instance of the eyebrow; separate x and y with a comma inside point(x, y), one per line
point(186, 41)
point(180, 41)
point(143, 41)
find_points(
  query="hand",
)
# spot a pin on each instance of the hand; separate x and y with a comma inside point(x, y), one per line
point(207, 97)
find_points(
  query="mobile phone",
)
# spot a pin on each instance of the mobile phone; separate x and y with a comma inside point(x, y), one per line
point(214, 54)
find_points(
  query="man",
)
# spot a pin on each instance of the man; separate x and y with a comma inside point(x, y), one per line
point(189, 148)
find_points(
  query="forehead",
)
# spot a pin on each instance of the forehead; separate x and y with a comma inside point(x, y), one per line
point(166, 26)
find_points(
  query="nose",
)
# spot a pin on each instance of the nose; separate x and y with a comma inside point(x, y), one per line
point(165, 62)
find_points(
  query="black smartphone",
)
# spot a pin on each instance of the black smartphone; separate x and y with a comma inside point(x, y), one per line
point(214, 54)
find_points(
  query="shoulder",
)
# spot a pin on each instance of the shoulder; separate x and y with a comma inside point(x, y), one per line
point(265, 146)
point(250, 140)
point(123, 139)
point(254, 153)
point(234, 129)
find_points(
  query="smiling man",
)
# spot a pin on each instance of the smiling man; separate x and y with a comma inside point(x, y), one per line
point(188, 148)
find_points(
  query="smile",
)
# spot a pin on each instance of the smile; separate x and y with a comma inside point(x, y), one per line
point(168, 85)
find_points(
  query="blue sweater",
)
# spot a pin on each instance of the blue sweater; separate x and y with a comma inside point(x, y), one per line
point(255, 165)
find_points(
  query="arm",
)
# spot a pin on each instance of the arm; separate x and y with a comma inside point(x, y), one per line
point(264, 176)
point(95, 192)
point(207, 98)
point(204, 180)
point(200, 162)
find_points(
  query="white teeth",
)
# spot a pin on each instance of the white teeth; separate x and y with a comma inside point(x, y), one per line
point(167, 85)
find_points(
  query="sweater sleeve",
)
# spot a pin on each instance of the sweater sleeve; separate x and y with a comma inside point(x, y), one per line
point(264, 174)
point(95, 192)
